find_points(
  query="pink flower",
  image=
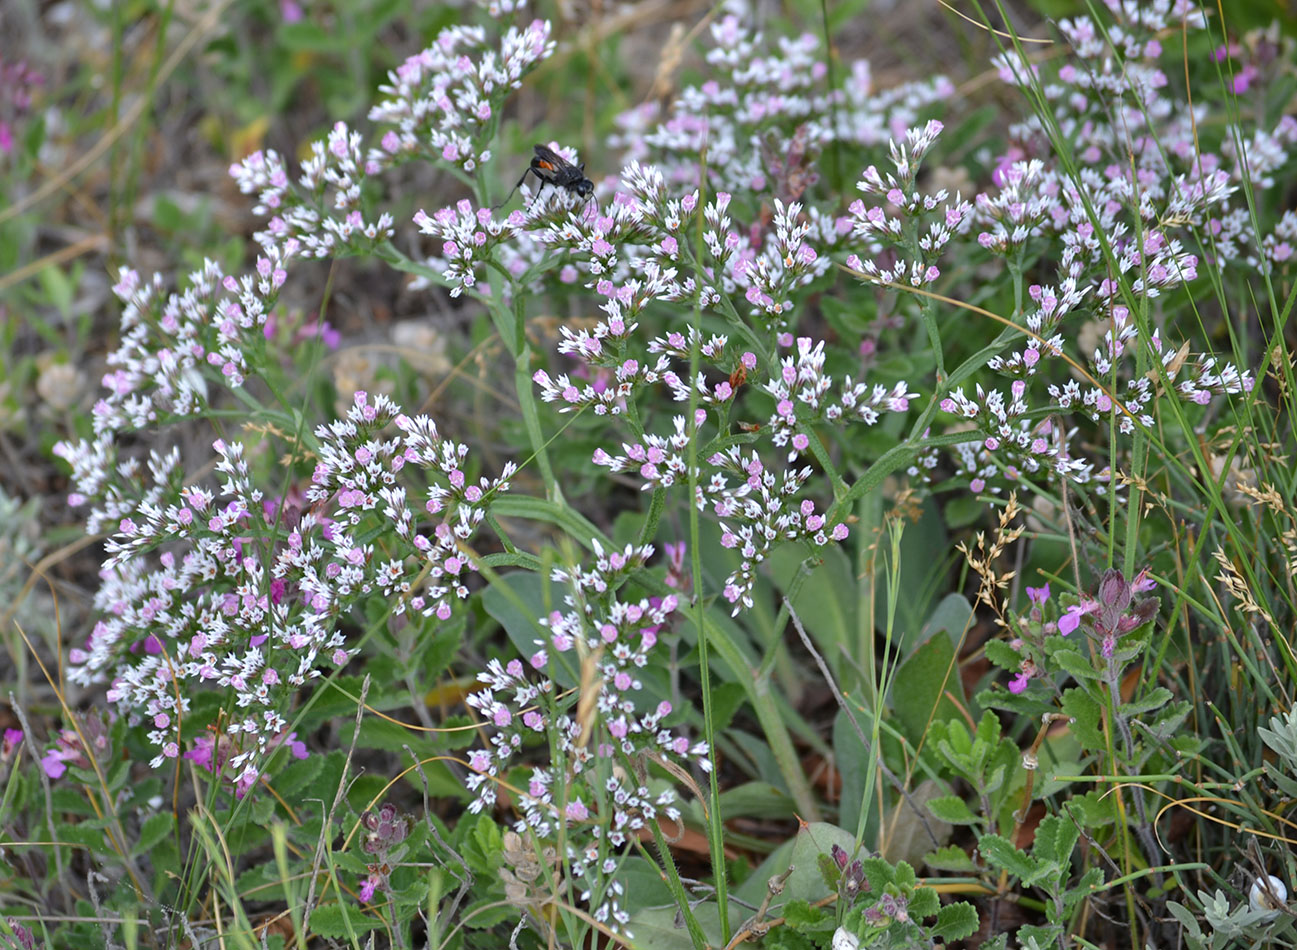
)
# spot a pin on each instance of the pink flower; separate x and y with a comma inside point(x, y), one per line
point(1071, 619)
point(367, 888)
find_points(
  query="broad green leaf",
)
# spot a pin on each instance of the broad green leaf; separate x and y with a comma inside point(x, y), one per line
point(659, 928)
point(919, 694)
point(924, 902)
point(643, 884)
point(801, 853)
point(1094, 809)
point(1000, 853)
point(331, 921)
point(786, 938)
point(488, 912)
point(306, 36)
point(854, 765)
point(955, 921)
point(378, 733)
point(517, 601)
point(155, 829)
point(1155, 699)
point(953, 810)
point(483, 849)
point(953, 615)
point(296, 775)
point(803, 917)
point(726, 700)
point(1086, 716)
point(911, 831)
point(1073, 663)
point(922, 570)
point(950, 858)
point(1056, 836)
point(1002, 655)
point(756, 800)
point(826, 602)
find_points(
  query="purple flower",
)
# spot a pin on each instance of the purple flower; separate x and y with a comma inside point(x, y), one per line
point(367, 888)
point(10, 743)
point(1071, 619)
point(26, 939)
point(52, 764)
point(1038, 595)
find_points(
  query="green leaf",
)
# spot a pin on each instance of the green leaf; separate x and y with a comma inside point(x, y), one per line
point(1079, 667)
point(829, 870)
point(308, 37)
point(785, 938)
point(1186, 918)
point(1156, 699)
point(953, 615)
point(643, 884)
point(802, 854)
point(924, 902)
point(1000, 654)
point(955, 921)
point(950, 858)
point(1167, 723)
point(826, 602)
point(1084, 889)
point(1000, 853)
point(155, 829)
point(488, 912)
point(962, 511)
point(58, 288)
point(953, 810)
point(297, 775)
point(756, 800)
point(919, 696)
point(904, 875)
point(1284, 783)
point(515, 601)
point(1094, 810)
point(88, 834)
point(483, 849)
point(1086, 716)
point(440, 651)
point(878, 874)
point(377, 733)
point(1043, 937)
point(920, 579)
point(726, 700)
point(1021, 704)
point(331, 921)
point(1056, 836)
point(804, 917)
point(911, 831)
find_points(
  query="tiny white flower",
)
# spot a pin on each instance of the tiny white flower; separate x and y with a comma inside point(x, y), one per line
point(844, 939)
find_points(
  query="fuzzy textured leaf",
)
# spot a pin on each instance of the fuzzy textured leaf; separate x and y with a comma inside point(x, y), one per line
point(952, 809)
point(950, 858)
point(331, 921)
point(955, 921)
point(999, 852)
point(1086, 716)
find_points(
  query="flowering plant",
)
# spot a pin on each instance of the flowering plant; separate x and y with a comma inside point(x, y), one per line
point(573, 619)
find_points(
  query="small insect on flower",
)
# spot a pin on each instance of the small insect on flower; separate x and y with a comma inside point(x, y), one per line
point(553, 169)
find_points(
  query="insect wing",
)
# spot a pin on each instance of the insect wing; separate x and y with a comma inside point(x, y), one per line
point(548, 163)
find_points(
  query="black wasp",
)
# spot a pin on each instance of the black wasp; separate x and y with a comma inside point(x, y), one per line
point(553, 169)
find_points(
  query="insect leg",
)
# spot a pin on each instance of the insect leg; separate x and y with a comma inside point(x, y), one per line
point(528, 171)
